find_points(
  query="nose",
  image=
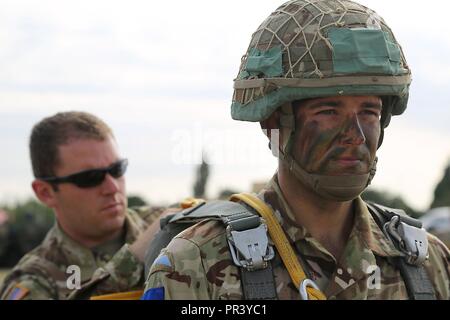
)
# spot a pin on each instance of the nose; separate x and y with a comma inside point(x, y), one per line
point(110, 185)
point(352, 132)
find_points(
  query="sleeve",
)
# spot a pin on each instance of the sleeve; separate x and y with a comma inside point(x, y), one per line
point(27, 287)
point(177, 274)
point(122, 273)
point(438, 267)
point(125, 270)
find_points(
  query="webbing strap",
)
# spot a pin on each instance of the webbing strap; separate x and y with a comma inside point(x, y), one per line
point(130, 295)
point(281, 243)
point(217, 209)
point(258, 284)
point(417, 281)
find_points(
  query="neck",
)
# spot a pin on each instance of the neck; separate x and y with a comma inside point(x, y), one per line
point(329, 222)
point(90, 241)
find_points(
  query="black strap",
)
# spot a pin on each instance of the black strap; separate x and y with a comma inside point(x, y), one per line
point(384, 214)
point(417, 281)
point(258, 284)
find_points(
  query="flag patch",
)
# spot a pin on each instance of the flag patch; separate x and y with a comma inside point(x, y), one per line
point(163, 260)
point(17, 293)
point(154, 294)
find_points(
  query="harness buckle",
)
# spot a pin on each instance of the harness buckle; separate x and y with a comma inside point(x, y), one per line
point(303, 288)
point(410, 240)
point(250, 248)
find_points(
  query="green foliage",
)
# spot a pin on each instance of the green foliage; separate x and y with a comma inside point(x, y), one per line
point(30, 209)
point(136, 201)
point(3, 273)
point(442, 191)
point(389, 200)
point(29, 222)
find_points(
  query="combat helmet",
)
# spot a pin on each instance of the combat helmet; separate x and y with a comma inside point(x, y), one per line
point(318, 48)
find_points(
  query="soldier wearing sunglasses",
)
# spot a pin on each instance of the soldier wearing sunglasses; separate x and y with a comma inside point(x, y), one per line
point(94, 245)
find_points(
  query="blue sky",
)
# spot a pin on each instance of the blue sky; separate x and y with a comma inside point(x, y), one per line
point(161, 72)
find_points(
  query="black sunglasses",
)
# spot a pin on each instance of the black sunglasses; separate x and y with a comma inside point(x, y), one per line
point(93, 177)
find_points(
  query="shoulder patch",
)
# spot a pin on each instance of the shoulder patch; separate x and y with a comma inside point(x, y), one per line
point(154, 294)
point(17, 292)
point(163, 260)
point(162, 263)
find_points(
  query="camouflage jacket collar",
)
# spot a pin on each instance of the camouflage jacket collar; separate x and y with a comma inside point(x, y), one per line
point(365, 228)
point(74, 253)
point(366, 241)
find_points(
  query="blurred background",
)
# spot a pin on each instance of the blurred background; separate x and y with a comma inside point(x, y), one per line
point(160, 74)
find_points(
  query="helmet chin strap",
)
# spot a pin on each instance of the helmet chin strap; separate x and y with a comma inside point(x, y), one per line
point(335, 188)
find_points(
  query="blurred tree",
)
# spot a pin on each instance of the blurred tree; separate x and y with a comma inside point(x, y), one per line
point(136, 201)
point(29, 222)
point(224, 194)
point(4, 233)
point(442, 191)
point(201, 179)
point(389, 200)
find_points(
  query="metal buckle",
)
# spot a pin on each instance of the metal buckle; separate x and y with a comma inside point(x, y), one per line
point(411, 241)
point(250, 248)
point(304, 285)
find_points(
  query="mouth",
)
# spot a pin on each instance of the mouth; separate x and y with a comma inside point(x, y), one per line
point(113, 207)
point(349, 158)
point(349, 161)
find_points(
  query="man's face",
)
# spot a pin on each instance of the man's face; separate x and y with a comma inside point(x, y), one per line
point(90, 213)
point(337, 135)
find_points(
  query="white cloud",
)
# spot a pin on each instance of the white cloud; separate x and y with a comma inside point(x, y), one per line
point(151, 67)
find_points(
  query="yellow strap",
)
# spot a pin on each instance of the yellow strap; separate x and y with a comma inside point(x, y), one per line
point(130, 295)
point(281, 242)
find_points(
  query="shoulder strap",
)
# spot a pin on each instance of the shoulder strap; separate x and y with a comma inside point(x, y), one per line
point(308, 289)
point(172, 225)
point(247, 240)
point(410, 238)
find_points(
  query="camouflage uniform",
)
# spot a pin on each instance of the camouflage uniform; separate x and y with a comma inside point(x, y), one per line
point(41, 273)
point(197, 264)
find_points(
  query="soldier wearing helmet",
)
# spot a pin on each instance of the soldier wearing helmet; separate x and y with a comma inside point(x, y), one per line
point(323, 78)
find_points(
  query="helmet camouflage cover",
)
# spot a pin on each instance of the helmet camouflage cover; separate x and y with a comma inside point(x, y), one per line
point(318, 48)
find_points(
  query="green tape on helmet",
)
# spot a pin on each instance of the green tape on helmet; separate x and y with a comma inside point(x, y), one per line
point(263, 63)
point(364, 51)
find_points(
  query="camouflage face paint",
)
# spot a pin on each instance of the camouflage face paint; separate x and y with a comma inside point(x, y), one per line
point(320, 141)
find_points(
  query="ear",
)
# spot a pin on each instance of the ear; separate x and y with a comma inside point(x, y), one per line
point(44, 192)
point(273, 122)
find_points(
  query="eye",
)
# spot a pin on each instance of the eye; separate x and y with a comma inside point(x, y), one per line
point(327, 112)
point(370, 112)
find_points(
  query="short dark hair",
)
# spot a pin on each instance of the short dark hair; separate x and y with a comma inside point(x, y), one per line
point(59, 129)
